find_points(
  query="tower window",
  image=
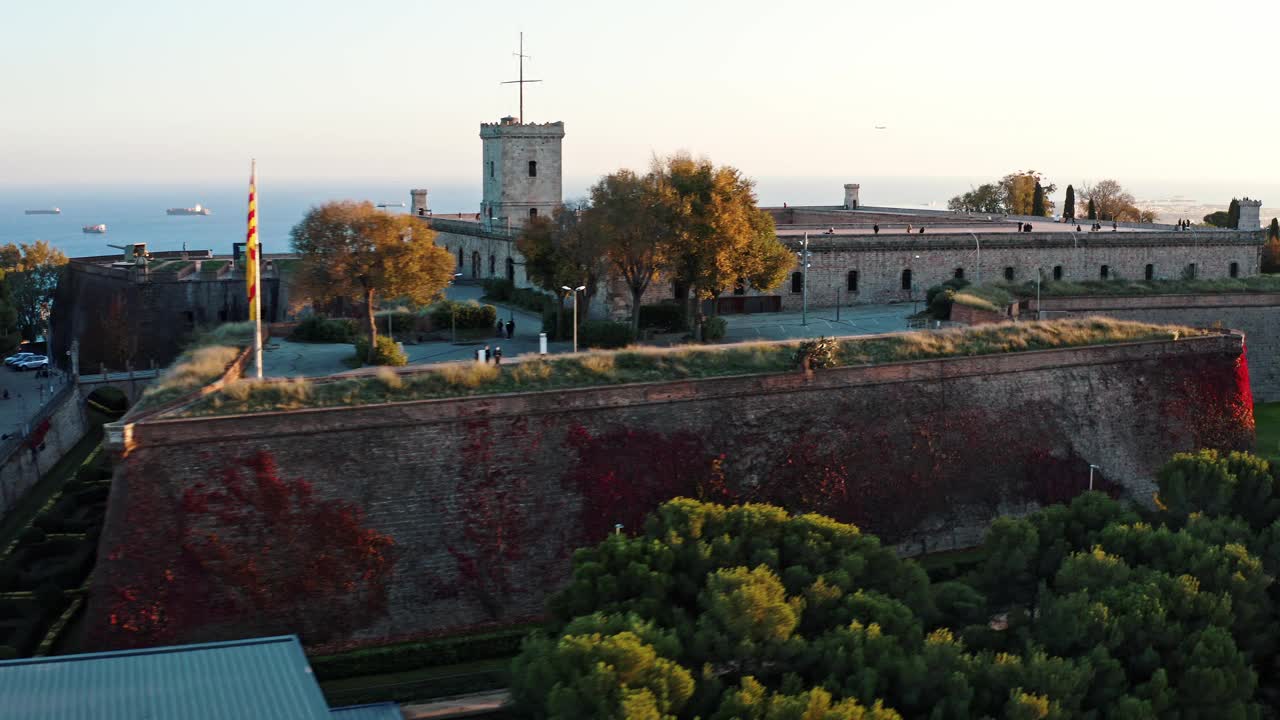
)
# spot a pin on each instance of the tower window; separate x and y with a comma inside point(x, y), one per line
point(533, 168)
point(493, 264)
point(1190, 272)
point(1234, 270)
point(1057, 272)
point(490, 168)
point(906, 279)
point(490, 212)
point(1150, 272)
point(1008, 273)
point(958, 273)
point(797, 282)
point(853, 281)
point(533, 212)
point(1104, 272)
point(459, 258)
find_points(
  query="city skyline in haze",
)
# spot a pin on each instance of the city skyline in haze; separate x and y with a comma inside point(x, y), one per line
point(152, 93)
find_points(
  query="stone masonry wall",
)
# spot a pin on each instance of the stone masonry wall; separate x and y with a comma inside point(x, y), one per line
point(1257, 315)
point(486, 496)
point(52, 433)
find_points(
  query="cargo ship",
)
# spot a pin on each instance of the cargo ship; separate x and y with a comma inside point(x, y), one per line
point(99, 229)
point(47, 211)
point(197, 210)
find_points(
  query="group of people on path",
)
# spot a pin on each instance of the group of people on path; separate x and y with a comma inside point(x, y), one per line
point(508, 330)
point(488, 355)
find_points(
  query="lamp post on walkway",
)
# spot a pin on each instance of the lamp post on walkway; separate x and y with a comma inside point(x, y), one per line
point(804, 280)
point(978, 244)
point(575, 292)
point(1092, 467)
point(453, 313)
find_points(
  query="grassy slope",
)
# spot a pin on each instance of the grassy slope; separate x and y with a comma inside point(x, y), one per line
point(651, 364)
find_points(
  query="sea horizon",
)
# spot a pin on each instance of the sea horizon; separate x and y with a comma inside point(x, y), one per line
point(137, 214)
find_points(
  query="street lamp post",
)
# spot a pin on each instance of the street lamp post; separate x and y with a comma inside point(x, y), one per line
point(1092, 467)
point(804, 280)
point(453, 314)
point(978, 244)
point(575, 292)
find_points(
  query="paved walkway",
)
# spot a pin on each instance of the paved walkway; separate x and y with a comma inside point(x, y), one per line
point(855, 320)
point(282, 358)
point(457, 707)
point(27, 394)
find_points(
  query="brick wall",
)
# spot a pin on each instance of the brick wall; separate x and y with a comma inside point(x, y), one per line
point(1257, 315)
point(486, 496)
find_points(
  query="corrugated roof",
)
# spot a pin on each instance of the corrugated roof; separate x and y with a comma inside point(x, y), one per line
point(257, 678)
point(373, 711)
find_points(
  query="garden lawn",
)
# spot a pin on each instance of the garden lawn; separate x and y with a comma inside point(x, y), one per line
point(1267, 417)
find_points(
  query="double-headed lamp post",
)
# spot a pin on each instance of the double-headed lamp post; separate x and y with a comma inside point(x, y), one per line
point(1092, 467)
point(575, 292)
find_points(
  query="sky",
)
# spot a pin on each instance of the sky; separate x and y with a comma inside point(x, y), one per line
point(151, 92)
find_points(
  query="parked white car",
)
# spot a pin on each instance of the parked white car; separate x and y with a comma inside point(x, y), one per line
point(35, 362)
point(17, 358)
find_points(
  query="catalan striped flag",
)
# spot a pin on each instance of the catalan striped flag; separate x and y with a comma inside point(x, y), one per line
point(251, 245)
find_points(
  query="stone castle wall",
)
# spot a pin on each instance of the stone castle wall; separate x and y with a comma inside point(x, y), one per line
point(1257, 315)
point(53, 432)
point(486, 496)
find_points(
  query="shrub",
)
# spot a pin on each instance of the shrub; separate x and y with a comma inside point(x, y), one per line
point(667, 317)
point(714, 328)
point(401, 321)
point(817, 354)
point(938, 299)
point(499, 289)
point(605, 334)
point(324, 330)
point(411, 656)
point(385, 352)
point(549, 321)
point(467, 315)
point(530, 299)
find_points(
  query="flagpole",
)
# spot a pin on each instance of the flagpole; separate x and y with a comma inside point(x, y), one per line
point(257, 276)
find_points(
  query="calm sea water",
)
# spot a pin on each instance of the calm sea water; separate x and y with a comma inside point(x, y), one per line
point(138, 214)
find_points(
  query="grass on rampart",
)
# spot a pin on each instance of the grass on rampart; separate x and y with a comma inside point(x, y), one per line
point(659, 364)
point(204, 360)
point(984, 297)
point(1059, 288)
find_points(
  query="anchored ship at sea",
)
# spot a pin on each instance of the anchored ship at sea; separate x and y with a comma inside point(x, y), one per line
point(44, 211)
point(98, 229)
point(197, 210)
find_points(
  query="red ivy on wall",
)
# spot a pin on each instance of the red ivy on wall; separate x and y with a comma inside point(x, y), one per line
point(255, 550)
point(624, 474)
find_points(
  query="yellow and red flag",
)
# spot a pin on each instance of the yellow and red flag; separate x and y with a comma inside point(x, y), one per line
point(251, 245)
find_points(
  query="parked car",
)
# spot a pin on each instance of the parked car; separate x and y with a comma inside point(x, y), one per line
point(18, 357)
point(35, 362)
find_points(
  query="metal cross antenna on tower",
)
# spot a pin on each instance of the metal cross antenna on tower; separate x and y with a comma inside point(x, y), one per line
point(521, 81)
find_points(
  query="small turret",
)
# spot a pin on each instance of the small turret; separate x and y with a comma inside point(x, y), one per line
point(1250, 215)
point(851, 196)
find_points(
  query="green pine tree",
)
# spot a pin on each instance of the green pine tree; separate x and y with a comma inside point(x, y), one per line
point(1275, 229)
point(1233, 214)
point(1069, 205)
point(1037, 201)
point(9, 335)
point(1093, 210)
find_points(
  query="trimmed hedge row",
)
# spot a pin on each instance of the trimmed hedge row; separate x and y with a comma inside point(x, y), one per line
point(666, 317)
point(605, 334)
point(412, 656)
point(503, 291)
point(324, 330)
point(467, 315)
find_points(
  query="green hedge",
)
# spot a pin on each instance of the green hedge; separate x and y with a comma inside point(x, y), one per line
point(386, 352)
point(668, 317)
point(412, 656)
point(498, 289)
point(503, 291)
point(324, 330)
point(401, 321)
point(714, 328)
point(605, 334)
point(467, 315)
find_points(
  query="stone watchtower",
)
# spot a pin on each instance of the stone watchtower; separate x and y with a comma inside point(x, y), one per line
point(1250, 215)
point(418, 205)
point(521, 170)
point(851, 196)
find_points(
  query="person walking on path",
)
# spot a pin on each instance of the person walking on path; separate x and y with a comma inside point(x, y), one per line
point(487, 354)
point(497, 355)
point(875, 228)
point(511, 328)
